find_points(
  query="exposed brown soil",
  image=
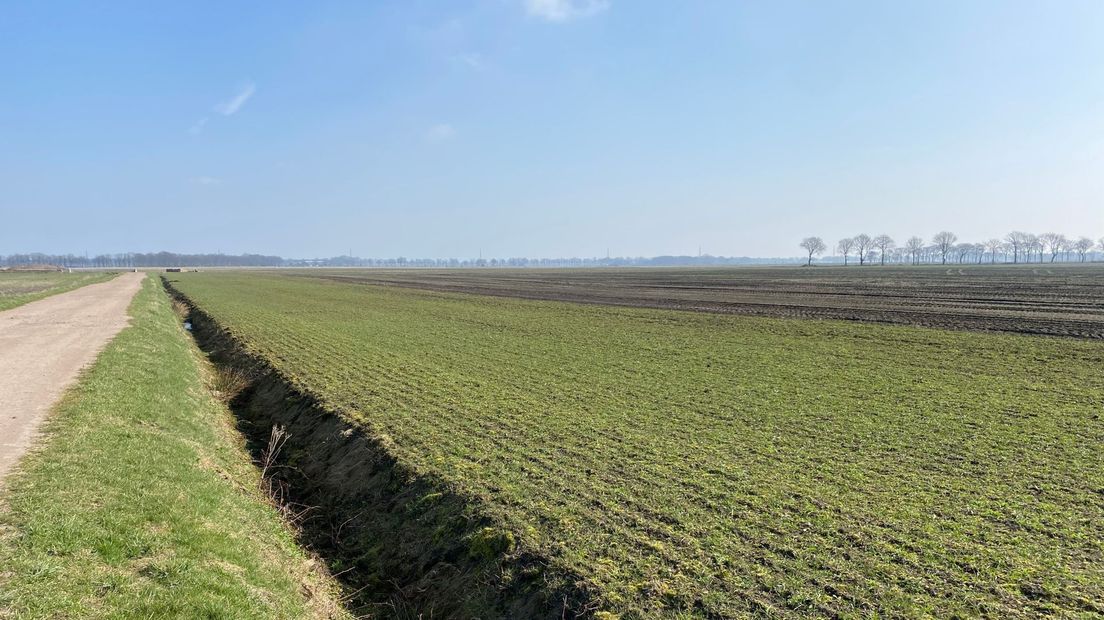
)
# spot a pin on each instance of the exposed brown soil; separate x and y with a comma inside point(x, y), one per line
point(1056, 300)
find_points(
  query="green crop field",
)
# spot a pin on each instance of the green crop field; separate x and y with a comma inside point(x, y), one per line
point(715, 466)
point(20, 287)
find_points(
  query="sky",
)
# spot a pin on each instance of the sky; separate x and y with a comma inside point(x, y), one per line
point(544, 128)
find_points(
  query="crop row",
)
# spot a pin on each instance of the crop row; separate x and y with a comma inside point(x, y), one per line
point(717, 465)
point(1059, 300)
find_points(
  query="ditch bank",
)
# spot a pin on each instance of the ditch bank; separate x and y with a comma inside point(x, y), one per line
point(402, 543)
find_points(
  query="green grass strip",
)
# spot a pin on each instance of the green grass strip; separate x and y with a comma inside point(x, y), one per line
point(18, 288)
point(142, 502)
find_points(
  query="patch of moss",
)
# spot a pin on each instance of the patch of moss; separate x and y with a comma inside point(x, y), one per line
point(490, 543)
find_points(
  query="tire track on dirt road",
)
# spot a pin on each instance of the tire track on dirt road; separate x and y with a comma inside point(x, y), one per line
point(43, 347)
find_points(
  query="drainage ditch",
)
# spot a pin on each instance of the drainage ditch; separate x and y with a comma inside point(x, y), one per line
point(402, 544)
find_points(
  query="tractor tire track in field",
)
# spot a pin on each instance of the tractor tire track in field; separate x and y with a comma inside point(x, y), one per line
point(43, 347)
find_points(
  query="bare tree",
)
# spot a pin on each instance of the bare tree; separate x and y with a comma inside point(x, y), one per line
point(844, 247)
point(813, 245)
point(1054, 243)
point(1050, 241)
point(1035, 244)
point(994, 246)
point(961, 251)
point(944, 241)
point(884, 243)
point(1019, 242)
point(914, 246)
point(1083, 246)
point(863, 245)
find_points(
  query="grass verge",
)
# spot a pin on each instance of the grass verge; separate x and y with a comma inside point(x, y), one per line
point(142, 501)
point(18, 288)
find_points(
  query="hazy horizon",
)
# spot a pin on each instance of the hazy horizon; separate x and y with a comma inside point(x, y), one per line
point(545, 128)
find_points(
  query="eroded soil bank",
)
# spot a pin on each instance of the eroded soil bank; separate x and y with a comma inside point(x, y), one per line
point(403, 543)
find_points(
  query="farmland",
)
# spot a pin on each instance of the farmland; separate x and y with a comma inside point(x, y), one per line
point(1060, 300)
point(711, 465)
point(20, 287)
point(140, 501)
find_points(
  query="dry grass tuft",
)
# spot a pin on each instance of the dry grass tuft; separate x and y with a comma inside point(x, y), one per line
point(228, 383)
point(181, 309)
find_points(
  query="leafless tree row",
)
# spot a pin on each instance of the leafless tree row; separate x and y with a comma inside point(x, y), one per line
point(1015, 247)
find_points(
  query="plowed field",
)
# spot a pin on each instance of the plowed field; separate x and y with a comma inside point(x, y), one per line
point(1057, 300)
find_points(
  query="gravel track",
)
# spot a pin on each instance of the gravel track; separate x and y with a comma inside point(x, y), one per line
point(43, 347)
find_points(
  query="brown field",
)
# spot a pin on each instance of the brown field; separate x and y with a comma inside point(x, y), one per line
point(1056, 300)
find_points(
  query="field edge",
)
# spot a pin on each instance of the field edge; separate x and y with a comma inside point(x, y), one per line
point(15, 301)
point(139, 499)
point(405, 541)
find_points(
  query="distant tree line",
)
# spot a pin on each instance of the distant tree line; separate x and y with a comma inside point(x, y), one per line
point(172, 259)
point(447, 263)
point(944, 247)
point(138, 259)
point(1016, 247)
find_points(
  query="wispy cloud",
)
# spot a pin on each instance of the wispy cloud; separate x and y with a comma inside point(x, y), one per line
point(564, 10)
point(441, 132)
point(235, 103)
point(472, 60)
point(206, 181)
point(226, 108)
point(198, 126)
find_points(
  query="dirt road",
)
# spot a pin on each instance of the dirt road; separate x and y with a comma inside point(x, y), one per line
point(43, 347)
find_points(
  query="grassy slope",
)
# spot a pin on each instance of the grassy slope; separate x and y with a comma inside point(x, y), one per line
point(723, 465)
point(142, 503)
point(18, 288)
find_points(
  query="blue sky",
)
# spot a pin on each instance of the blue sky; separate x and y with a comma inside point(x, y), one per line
point(544, 127)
